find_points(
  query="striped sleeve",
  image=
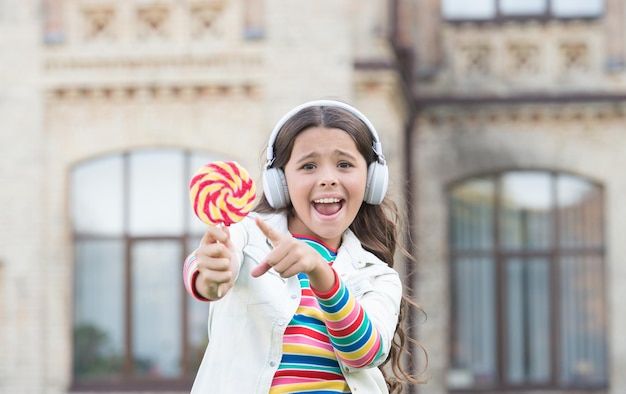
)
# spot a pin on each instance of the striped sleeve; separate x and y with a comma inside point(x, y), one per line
point(190, 272)
point(355, 339)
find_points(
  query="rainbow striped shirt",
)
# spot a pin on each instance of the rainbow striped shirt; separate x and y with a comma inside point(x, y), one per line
point(326, 327)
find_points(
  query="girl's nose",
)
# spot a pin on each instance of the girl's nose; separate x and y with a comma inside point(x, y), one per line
point(328, 179)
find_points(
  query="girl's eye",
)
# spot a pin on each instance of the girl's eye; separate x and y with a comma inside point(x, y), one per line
point(308, 166)
point(344, 164)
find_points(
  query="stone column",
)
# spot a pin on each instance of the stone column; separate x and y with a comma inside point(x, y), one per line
point(22, 199)
point(614, 35)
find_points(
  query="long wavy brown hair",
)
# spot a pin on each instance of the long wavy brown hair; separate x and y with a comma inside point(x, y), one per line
point(376, 226)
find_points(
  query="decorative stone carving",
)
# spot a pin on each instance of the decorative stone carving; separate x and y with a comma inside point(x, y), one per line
point(476, 59)
point(140, 50)
point(99, 23)
point(523, 58)
point(493, 58)
point(204, 17)
point(153, 22)
point(574, 56)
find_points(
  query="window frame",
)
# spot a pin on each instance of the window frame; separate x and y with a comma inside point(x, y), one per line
point(500, 255)
point(130, 381)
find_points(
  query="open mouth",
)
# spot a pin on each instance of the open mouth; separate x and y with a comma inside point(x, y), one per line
point(328, 206)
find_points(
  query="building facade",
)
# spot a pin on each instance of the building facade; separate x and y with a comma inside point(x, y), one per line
point(502, 123)
point(515, 151)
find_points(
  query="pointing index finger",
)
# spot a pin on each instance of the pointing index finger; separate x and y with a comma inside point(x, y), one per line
point(267, 230)
point(272, 238)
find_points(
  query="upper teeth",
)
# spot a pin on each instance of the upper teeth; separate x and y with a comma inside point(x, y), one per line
point(326, 200)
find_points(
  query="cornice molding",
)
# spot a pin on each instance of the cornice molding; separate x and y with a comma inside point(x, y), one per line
point(523, 113)
point(152, 93)
point(90, 61)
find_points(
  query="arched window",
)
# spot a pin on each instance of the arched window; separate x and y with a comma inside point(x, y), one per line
point(527, 281)
point(133, 324)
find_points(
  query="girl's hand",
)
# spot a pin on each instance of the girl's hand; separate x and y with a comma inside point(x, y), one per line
point(291, 257)
point(216, 263)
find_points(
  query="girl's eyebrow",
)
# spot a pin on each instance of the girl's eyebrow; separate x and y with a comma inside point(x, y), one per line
point(336, 153)
point(306, 157)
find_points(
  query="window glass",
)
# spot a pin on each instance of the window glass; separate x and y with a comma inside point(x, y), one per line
point(474, 336)
point(491, 9)
point(582, 318)
point(156, 303)
point(99, 294)
point(97, 197)
point(463, 9)
point(523, 7)
point(580, 212)
point(573, 8)
point(158, 192)
point(472, 208)
point(197, 322)
point(526, 221)
point(528, 320)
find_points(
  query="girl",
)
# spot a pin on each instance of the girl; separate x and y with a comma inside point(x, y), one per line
point(304, 295)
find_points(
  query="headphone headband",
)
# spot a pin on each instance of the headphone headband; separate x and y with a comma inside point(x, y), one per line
point(377, 146)
point(275, 183)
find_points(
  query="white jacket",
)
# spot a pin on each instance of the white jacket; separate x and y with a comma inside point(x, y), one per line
point(246, 326)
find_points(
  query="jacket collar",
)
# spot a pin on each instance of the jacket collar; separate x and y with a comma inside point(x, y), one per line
point(350, 251)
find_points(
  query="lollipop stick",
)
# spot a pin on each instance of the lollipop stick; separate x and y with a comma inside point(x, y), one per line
point(219, 285)
point(219, 290)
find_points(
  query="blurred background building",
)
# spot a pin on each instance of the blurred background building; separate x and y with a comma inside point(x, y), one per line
point(503, 122)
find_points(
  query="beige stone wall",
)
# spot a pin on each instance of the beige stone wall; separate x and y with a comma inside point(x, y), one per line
point(22, 201)
point(455, 143)
point(99, 79)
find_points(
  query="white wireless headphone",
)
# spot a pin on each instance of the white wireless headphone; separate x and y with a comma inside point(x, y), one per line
point(275, 184)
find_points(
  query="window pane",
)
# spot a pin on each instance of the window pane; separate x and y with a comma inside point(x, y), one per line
point(196, 160)
point(580, 205)
point(572, 8)
point(98, 309)
point(463, 9)
point(528, 320)
point(526, 219)
point(474, 333)
point(97, 197)
point(583, 321)
point(471, 209)
point(198, 313)
point(158, 192)
point(523, 7)
point(156, 303)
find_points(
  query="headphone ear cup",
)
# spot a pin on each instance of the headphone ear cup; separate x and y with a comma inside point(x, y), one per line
point(275, 188)
point(377, 183)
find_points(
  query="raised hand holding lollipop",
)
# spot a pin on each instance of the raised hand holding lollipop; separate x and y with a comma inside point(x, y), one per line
point(221, 193)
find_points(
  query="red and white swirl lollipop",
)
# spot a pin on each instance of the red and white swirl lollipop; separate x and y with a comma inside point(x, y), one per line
point(222, 192)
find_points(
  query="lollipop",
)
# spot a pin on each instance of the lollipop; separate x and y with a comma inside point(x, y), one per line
point(221, 192)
